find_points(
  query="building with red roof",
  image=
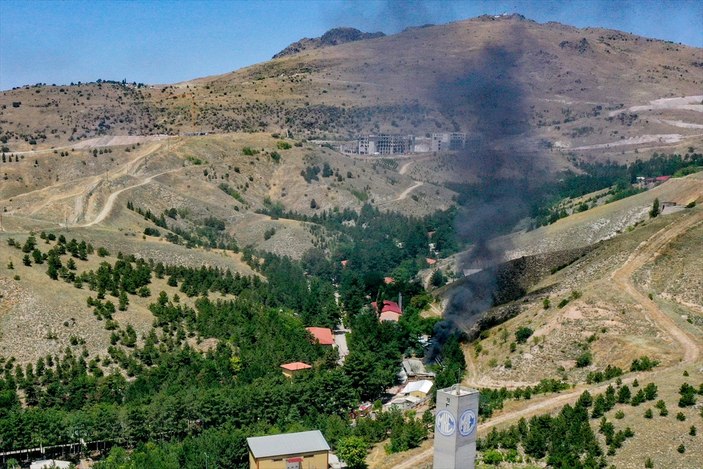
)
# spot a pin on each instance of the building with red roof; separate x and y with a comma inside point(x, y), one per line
point(293, 368)
point(322, 335)
point(388, 306)
point(389, 316)
point(662, 178)
point(391, 311)
point(430, 261)
point(388, 280)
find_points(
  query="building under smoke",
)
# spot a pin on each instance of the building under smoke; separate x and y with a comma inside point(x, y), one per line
point(451, 141)
point(385, 144)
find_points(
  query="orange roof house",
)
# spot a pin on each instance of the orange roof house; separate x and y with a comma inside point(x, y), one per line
point(389, 316)
point(291, 369)
point(322, 335)
point(390, 312)
point(388, 280)
point(430, 261)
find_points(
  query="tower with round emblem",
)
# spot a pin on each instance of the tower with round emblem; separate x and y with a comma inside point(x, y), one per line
point(455, 428)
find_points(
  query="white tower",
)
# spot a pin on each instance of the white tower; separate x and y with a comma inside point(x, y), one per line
point(455, 428)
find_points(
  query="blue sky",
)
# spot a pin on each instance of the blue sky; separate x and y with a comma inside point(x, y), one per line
point(168, 41)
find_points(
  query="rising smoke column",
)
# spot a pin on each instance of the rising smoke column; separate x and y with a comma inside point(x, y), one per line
point(490, 101)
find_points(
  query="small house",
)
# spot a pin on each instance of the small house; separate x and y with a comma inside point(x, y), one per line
point(292, 369)
point(321, 335)
point(390, 311)
point(419, 389)
point(301, 450)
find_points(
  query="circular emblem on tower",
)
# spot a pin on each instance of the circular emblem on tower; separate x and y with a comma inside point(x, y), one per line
point(467, 423)
point(445, 423)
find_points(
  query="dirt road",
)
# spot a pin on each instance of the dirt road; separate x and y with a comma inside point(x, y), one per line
point(404, 169)
point(406, 192)
point(109, 204)
point(622, 278)
point(645, 252)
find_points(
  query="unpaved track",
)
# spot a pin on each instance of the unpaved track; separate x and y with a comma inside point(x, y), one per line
point(646, 251)
point(404, 169)
point(622, 278)
point(110, 203)
point(406, 192)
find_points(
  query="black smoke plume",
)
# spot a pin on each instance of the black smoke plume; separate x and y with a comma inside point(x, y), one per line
point(490, 101)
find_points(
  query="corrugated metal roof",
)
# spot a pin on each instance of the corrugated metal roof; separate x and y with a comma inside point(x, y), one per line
point(424, 386)
point(287, 444)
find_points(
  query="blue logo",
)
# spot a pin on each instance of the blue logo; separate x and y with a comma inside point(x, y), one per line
point(445, 423)
point(467, 423)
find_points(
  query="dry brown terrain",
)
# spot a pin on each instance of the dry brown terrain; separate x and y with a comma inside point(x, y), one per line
point(593, 92)
point(648, 327)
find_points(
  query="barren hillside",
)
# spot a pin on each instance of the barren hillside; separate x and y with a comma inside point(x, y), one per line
point(596, 92)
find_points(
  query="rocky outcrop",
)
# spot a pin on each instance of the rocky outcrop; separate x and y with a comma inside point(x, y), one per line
point(333, 37)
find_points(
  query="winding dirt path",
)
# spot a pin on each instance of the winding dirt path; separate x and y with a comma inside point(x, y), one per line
point(110, 203)
point(622, 278)
point(406, 192)
point(645, 252)
point(404, 169)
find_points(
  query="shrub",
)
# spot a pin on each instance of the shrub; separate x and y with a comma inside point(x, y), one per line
point(492, 457)
point(585, 359)
point(688, 395)
point(638, 398)
point(655, 211)
point(643, 363)
point(522, 334)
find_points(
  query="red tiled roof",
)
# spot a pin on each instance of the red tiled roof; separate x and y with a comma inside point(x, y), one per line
point(662, 178)
point(388, 280)
point(389, 316)
point(344, 263)
point(388, 307)
point(431, 261)
point(295, 366)
point(322, 334)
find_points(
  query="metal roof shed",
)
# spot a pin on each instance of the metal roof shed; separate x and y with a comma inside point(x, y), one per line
point(287, 444)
